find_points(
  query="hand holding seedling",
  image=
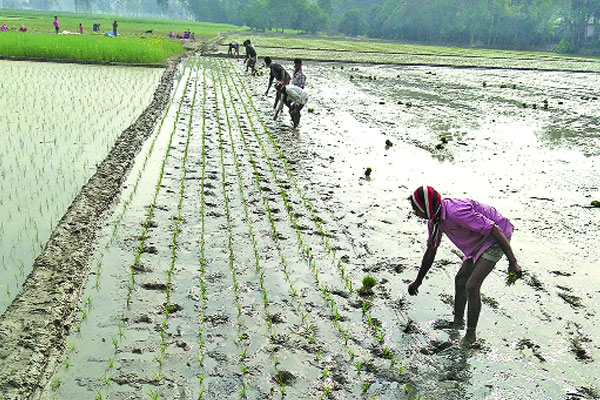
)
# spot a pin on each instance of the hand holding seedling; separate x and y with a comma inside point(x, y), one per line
point(514, 273)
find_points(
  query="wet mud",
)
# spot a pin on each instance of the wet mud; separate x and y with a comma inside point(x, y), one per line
point(232, 263)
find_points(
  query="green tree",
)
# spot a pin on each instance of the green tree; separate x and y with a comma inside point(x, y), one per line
point(352, 23)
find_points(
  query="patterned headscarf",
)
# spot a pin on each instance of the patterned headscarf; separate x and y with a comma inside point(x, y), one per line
point(428, 201)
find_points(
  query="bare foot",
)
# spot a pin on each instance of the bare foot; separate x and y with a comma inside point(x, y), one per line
point(468, 341)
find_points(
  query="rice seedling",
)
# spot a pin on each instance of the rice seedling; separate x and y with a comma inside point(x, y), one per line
point(56, 382)
point(511, 278)
point(368, 283)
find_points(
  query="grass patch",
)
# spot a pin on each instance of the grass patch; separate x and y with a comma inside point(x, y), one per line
point(127, 50)
point(41, 22)
point(134, 45)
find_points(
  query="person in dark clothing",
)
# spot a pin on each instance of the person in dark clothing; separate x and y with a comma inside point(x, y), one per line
point(234, 49)
point(279, 73)
point(115, 28)
point(250, 59)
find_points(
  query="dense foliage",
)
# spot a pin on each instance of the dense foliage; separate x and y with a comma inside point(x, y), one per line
point(564, 25)
point(516, 24)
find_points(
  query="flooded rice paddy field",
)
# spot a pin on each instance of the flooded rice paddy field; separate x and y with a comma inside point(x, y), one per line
point(58, 122)
point(231, 266)
point(395, 53)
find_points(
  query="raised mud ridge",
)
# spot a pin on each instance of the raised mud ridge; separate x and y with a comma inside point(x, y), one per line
point(34, 328)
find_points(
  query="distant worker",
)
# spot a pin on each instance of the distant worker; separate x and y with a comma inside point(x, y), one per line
point(234, 49)
point(250, 58)
point(295, 98)
point(95, 27)
point(55, 23)
point(483, 236)
point(3, 28)
point(149, 31)
point(278, 73)
point(299, 79)
point(22, 28)
point(172, 34)
point(186, 34)
point(115, 25)
point(80, 29)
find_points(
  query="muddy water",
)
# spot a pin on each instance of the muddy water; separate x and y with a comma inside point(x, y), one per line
point(224, 206)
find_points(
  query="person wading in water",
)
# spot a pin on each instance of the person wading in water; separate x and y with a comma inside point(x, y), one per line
point(480, 232)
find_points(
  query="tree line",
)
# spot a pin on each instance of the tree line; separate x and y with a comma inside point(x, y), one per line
point(565, 25)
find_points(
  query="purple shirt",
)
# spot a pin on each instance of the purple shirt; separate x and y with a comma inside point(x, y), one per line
point(468, 224)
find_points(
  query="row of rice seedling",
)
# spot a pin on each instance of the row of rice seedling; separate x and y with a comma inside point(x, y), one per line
point(308, 328)
point(176, 230)
point(306, 250)
point(140, 249)
point(374, 328)
point(243, 338)
point(202, 246)
point(259, 268)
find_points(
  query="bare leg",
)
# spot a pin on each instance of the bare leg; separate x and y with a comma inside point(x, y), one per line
point(481, 270)
point(460, 293)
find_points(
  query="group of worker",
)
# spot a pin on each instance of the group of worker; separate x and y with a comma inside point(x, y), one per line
point(289, 89)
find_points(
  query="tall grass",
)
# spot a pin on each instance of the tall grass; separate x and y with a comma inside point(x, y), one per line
point(126, 50)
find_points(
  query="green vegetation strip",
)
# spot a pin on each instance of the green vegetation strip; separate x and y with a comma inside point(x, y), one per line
point(122, 50)
point(202, 256)
point(243, 339)
point(308, 328)
point(306, 250)
point(41, 22)
point(176, 230)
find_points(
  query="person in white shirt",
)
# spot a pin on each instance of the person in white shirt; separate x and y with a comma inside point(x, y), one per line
point(294, 98)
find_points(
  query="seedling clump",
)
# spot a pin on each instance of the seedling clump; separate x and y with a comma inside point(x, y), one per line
point(367, 285)
point(388, 144)
point(511, 278)
point(311, 110)
point(596, 203)
point(444, 139)
point(368, 172)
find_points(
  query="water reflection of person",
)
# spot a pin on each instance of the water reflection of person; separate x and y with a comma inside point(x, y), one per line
point(480, 232)
point(295, 98)
point(280, 74)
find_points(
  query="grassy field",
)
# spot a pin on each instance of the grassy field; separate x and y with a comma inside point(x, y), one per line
point(134, 46)
point(352, 50)
point(126, 50)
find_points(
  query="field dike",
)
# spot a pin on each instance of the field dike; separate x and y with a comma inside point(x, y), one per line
point(34, 328)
